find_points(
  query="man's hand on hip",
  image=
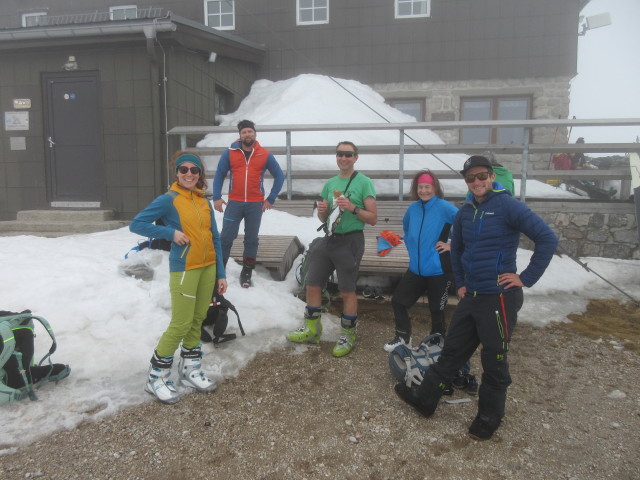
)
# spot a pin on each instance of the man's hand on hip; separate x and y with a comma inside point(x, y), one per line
point(266, 205)
point(217, 205)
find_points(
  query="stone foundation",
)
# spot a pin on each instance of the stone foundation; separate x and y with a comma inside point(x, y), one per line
point(591, 230)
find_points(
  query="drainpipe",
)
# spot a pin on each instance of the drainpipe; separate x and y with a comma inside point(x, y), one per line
point(150, 34)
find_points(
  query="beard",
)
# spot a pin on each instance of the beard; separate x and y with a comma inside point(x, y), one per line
point(249, 142)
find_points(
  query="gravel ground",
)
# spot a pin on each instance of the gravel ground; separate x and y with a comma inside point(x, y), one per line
point(573, 412)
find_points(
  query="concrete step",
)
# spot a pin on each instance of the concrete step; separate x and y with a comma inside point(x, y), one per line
point(57, 229)
point(65, 215)
point(57, 223)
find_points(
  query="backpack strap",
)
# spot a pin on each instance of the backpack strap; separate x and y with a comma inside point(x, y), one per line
point(324, 227)
point(8, 342)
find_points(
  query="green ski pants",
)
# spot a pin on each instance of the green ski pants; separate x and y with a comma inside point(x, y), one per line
point(191, 293)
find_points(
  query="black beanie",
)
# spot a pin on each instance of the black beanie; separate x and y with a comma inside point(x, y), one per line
point(246, 124)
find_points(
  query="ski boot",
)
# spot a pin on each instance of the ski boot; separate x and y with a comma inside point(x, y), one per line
point(347, 338)
point(312, 330)
point(157, 383)
point(248, 264)
point(191, 374)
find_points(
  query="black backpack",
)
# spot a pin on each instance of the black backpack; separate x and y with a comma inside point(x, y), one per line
point(329, 289)
point(215, 324)
point(19, 376)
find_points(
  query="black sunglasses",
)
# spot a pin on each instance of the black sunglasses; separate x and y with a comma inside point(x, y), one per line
point(471, 177)
point(341, 153)
point(194, 170)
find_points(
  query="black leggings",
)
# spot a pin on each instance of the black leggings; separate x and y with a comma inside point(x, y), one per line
point(407, 293)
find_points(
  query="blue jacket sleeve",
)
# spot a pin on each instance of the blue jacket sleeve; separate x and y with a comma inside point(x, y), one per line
point(278, 178)
point(221, 173)
point(143, 224)
point(545, 241)
point(456, 250)
point(217, 245)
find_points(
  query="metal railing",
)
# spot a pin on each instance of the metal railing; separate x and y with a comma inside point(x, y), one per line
point(524, 149)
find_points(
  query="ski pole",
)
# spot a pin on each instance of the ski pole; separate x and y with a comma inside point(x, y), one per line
point(588, 269)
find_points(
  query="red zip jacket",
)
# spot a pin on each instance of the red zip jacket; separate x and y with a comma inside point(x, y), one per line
point(247, 176)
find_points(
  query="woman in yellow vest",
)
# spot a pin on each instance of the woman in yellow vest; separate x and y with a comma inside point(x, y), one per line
point(195, 261)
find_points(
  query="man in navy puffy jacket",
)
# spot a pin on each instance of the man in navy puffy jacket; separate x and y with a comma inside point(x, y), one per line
point(484, 243)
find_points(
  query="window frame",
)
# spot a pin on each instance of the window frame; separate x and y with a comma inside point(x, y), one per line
point(313, 9)
point(412, 3)
point(124, 8)
point(207, 15)
point(32, 15)
point(494, 102)
point(418, 101)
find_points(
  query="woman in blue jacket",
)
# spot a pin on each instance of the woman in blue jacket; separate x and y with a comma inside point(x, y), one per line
point(426, 226)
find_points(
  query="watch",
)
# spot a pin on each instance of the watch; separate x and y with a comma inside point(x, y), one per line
point(356, 210)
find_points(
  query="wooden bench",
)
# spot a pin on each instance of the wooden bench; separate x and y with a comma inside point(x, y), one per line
point(277, 253)
point(390, 215)
point(394, 263)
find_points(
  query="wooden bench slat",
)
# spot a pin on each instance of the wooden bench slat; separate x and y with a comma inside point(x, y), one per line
point(276, 253)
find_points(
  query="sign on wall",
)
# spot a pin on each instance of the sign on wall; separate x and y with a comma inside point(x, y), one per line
point(16, 121)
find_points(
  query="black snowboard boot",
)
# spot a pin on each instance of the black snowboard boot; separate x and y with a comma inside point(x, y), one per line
point(248, 264)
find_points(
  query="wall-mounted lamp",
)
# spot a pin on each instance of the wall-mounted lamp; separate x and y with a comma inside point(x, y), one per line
point(212, 57)
point(71, 64)
point(595, 21)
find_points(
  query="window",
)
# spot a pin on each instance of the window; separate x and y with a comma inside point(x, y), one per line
point(220, 14)
point(123, 12)
point(412, 107)
point(504, 108)
point(413, 8)
point(223, 101)
point(32, 19)
point(312, 11)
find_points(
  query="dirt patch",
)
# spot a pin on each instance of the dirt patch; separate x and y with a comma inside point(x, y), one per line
point(573, 412)
point(609, 319)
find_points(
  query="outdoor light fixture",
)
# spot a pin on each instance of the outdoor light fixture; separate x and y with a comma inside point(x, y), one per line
point(595, 21)
point(212, 57)
point(71, 64)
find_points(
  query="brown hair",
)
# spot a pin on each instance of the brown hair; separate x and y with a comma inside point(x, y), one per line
point(347, 142)
point(202, 180)
point(436, 184)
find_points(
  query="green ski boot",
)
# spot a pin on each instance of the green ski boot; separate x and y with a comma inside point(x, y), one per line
point(310, 333)
point(345, 343)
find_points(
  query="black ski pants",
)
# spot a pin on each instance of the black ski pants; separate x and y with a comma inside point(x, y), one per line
point(482, 319)
point(410, 289)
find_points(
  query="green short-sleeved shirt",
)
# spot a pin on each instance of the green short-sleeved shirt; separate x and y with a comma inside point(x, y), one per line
point(360, 188)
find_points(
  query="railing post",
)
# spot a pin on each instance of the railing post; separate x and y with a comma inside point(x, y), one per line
point(401, 166)
point(289, 166)
point(525, 162)
point(183, 141)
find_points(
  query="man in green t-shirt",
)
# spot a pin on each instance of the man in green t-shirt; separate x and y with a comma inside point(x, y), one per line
point(348, 203)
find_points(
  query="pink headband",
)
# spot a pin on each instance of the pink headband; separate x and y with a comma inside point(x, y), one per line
point(425, 178)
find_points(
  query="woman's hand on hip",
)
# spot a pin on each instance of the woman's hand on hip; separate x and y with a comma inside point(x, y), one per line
point(180, 238)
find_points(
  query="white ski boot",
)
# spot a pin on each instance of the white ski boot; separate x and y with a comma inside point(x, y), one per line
point(157, 383)
point(191, 373)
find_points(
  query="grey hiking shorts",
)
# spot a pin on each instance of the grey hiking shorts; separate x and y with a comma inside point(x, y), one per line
point(341, 253)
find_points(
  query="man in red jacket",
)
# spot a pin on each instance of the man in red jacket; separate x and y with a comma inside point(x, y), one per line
point(247, 161)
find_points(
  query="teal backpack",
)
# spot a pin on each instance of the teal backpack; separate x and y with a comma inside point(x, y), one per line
point(18, 377)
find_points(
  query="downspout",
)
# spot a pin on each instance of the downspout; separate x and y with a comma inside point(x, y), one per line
point(159, 80)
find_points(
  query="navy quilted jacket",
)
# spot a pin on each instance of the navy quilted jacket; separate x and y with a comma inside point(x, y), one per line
point(485, 239)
